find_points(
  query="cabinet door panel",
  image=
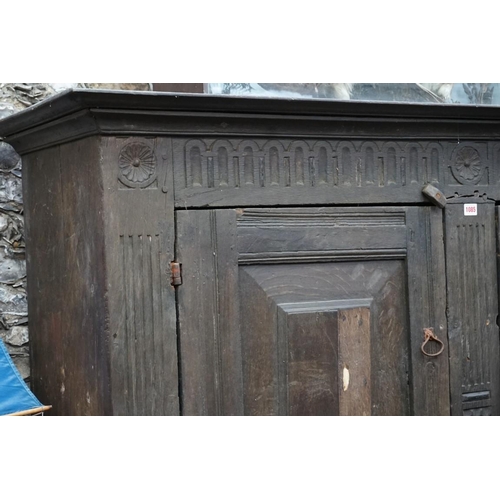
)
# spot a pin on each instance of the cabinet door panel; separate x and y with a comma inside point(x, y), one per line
point(335, 334)
point(309, 312)
point(473, 310)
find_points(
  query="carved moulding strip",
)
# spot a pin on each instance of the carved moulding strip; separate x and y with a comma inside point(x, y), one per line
point(318, 218)
point(267, 163)
point(262, 172)
point(318, 256)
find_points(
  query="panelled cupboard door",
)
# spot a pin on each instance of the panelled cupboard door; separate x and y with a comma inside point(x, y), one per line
point(312, 311)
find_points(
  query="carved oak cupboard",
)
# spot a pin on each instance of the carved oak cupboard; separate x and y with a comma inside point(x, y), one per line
point(202, 255)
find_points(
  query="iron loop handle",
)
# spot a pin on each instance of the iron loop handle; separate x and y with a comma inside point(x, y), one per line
point(429, 335)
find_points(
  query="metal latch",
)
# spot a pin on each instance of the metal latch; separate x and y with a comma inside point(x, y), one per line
point(428, 336)
point(175, 274)
point(434, 194)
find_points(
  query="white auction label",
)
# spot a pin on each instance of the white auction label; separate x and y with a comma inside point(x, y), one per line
point(470, 209)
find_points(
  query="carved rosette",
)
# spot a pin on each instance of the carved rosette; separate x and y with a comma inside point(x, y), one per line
point(467, 167)
point(137, 163)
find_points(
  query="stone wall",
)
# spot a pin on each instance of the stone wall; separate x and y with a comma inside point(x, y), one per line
point(13, 304)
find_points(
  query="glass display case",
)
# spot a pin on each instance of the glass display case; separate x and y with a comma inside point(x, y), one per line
point(452, 93)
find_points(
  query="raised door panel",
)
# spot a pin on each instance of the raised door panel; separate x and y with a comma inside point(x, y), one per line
point(310, 312)
point(473, 308)
point(334, 340)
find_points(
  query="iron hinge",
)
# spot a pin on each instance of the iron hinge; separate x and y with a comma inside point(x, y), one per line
point(175, 274)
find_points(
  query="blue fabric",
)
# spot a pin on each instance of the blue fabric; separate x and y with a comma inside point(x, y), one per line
point(14, 393)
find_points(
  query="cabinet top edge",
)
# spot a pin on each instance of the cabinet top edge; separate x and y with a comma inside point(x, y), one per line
point(76, 100)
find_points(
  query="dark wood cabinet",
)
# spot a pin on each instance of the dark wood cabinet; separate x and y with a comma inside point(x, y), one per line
point(204, 255)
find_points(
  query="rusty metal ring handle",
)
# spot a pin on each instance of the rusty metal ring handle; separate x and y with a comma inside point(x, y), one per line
point(429, 335)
